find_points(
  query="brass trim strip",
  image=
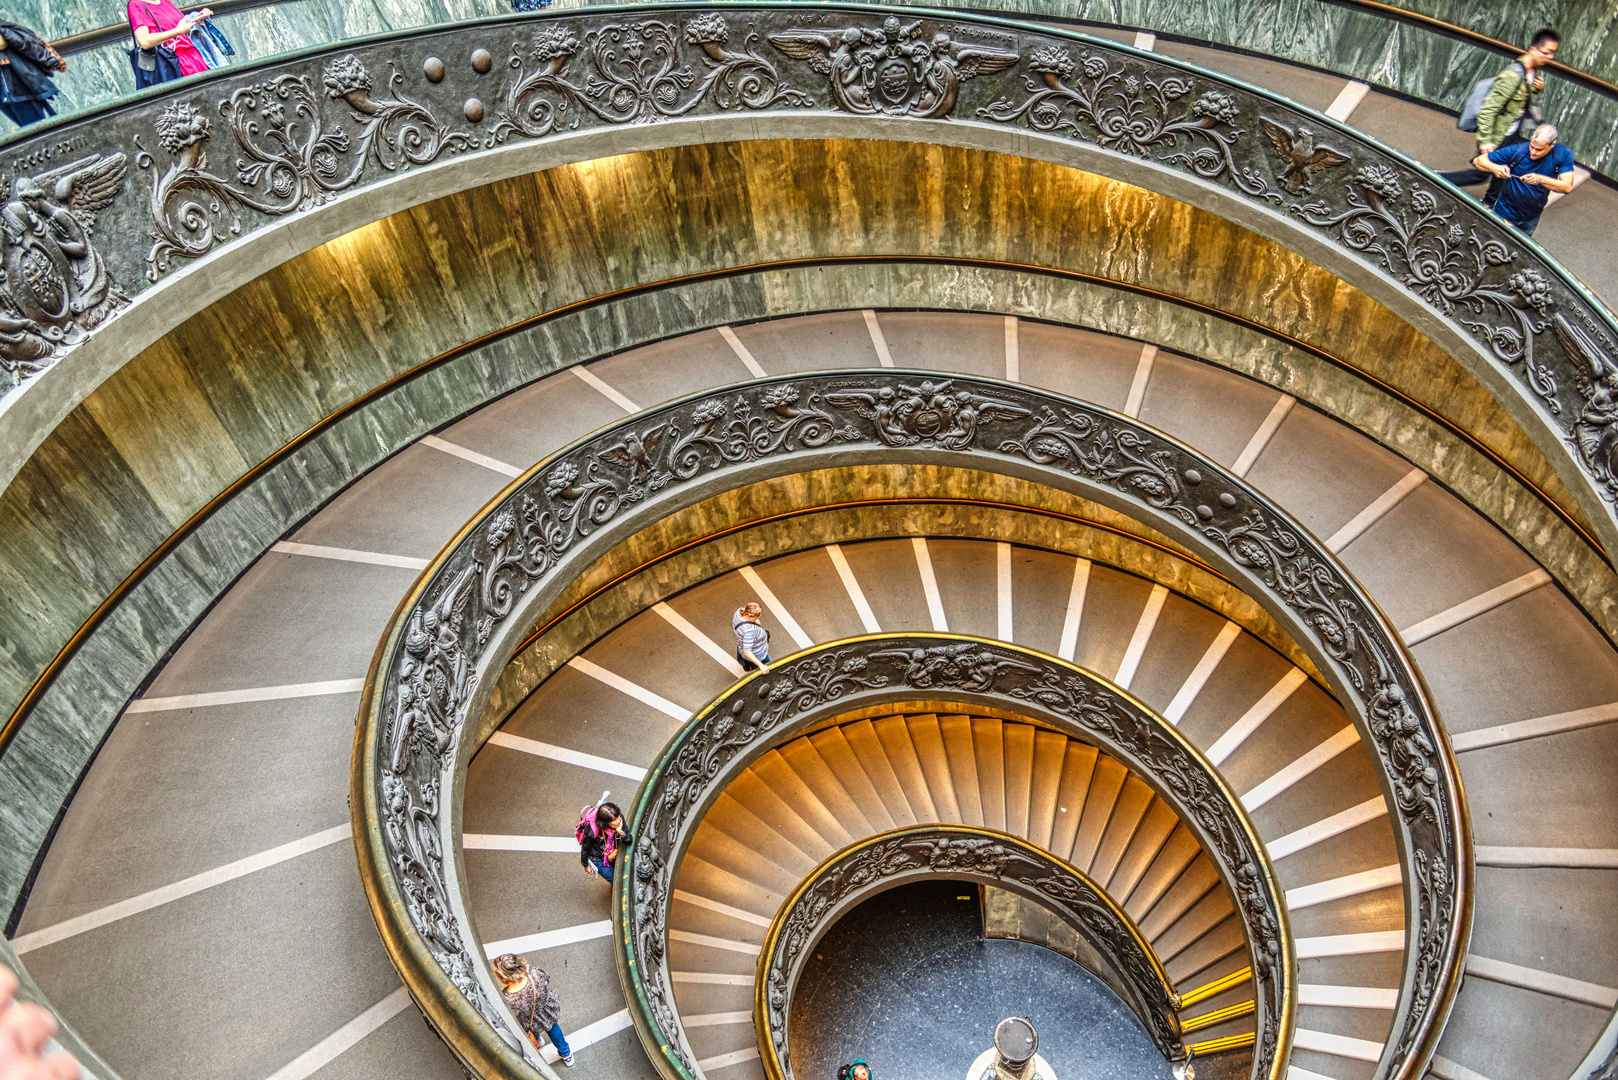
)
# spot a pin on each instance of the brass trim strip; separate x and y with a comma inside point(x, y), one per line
point(1218, 986)
point(53, 670)
point(753, 523)
point(1218, 1016)
point(1219, 1046)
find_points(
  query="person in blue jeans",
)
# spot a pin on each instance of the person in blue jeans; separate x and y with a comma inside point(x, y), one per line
point(528, 994)
point(1531, 170)
point(599, 846)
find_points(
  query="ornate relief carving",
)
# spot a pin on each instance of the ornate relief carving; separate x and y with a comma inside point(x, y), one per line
point(1595, 426)
point(54, 285)
point(1098, 99)
point(431, 676)
point(932, 414)
point(1456, 269)
point(897, 70)
point(635, 76)
point(699, 764)
point(946, 850)
point(1298, 152)
point(294, 156)
point(293, 150)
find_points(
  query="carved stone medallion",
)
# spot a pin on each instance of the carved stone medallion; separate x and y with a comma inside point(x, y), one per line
point(54, 285)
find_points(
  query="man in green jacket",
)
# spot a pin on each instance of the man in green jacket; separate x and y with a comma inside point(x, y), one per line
point(1500, 120)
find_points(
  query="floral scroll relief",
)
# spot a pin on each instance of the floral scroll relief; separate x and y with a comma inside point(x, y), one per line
point(1096, 99)
point(293, 154)
point(635, 76)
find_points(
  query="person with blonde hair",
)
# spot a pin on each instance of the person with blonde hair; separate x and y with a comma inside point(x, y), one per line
point(752, 640)
point(529, 996)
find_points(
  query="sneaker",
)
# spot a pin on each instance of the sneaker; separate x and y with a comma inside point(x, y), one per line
point(568, 1061)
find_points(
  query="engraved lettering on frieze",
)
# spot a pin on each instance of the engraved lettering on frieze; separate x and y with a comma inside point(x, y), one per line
point(54, 284)
point(294, 155)
point(636, 75)
point(897, 70)
point(47, 151)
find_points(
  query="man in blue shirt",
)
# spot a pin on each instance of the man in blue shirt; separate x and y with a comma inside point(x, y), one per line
point(1532, 170)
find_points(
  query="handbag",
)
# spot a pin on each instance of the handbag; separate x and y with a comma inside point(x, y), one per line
point(153, 66)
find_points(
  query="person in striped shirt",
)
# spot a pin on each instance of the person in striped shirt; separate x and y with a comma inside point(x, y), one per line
point(752, 640)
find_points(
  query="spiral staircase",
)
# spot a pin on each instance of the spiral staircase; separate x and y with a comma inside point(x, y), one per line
point(201, 878)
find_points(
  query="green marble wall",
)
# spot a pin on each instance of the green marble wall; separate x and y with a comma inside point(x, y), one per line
point(188, 416)
point(1358, 44)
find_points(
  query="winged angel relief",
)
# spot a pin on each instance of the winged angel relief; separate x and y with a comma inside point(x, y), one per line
point(932, 414)
point(896, 70)
point(54, 286)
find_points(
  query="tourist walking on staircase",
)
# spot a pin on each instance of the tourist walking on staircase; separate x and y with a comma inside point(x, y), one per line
point(1528, 173)
point(752, 640)
point(601, 836)
point(27, 65)
point(163, 46)
point(1507, 114)
point(529, 996)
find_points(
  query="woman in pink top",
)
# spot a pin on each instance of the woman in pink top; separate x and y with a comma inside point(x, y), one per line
point(159, 22)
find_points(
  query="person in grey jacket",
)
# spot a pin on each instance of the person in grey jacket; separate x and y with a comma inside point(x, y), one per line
point(27, 64)
point(1508, 108)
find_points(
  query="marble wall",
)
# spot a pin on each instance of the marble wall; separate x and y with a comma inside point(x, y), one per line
point(1359, 44)
point(194, 412)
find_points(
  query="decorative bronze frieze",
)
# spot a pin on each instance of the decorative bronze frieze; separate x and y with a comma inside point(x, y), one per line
point(297, 134)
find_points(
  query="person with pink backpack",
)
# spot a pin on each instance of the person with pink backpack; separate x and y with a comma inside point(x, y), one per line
point(601, 835)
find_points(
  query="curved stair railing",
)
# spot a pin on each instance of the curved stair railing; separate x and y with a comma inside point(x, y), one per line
point(1452, 55)
point(818, 684)
point(199, 171)
point(1129, 965)
point(465, 617)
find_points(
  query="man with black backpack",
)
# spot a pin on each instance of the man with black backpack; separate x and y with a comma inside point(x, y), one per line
point(1502, 110)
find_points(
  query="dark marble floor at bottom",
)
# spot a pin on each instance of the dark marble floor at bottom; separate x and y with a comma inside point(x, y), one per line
point(907, 982)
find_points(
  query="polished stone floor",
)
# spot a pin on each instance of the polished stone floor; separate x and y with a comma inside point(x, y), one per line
point(907, 982)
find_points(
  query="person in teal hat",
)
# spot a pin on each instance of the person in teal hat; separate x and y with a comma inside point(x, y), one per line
point(855, 1070)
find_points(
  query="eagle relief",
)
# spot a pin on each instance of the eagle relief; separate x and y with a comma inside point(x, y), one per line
point(54, 286)
point(894, 71)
